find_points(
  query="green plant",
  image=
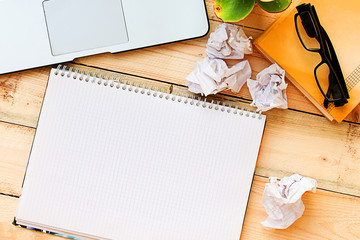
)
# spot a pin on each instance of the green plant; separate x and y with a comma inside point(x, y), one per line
point(237, 10)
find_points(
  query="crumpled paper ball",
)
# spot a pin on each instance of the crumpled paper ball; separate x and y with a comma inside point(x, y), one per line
point(269, 89)
point(282, 200)
point(228, 41)
point(213, 75)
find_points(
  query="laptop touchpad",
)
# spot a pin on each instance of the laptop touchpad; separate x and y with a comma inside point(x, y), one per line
point(78, 25)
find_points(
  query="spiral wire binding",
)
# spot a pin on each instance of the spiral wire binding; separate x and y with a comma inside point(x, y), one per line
point(148, 90)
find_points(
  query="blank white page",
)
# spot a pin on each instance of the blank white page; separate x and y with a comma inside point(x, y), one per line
point(116, 164)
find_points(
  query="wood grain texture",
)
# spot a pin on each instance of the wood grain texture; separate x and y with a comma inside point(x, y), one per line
point(21, 95)
point(322, 219)
point(15, 144)
point(327, 216)
point(294, 142)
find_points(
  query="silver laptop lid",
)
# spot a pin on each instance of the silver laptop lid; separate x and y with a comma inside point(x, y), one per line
point(37, 33)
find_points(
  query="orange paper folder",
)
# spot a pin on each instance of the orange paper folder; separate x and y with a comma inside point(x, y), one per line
point(341, 20)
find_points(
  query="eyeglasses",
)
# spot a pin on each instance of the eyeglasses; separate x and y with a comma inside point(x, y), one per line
point(329, 67)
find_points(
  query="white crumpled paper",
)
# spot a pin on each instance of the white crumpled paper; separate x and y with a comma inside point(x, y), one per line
point(213, 75)
point(228, 41)
point(269, 89)
point(282, 200)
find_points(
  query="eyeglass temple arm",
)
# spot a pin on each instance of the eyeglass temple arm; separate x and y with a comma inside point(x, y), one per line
point(342, 90)
point(332, 90)
point(335, 62)
point(339, 85)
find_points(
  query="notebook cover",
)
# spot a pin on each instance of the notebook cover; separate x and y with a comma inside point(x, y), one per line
point(281, 44)
point(43, 230)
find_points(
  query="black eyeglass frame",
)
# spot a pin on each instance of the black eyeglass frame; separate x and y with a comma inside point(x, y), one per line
point(328, 57)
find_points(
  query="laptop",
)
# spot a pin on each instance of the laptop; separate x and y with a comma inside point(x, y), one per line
point(36, 33)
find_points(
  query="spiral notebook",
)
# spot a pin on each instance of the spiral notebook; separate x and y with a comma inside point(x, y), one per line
point(116, 161)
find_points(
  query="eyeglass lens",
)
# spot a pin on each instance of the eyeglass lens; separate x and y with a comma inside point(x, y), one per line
point(308, 33)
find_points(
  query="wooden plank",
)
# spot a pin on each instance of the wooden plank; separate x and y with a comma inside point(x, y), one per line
point(293, 142)
point(323, 218)
point(171, 62)
point(21, 95)
point(15, 144)
point(311, 146)
point(327, 215)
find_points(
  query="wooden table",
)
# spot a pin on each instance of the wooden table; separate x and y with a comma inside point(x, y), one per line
point(297, 140)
